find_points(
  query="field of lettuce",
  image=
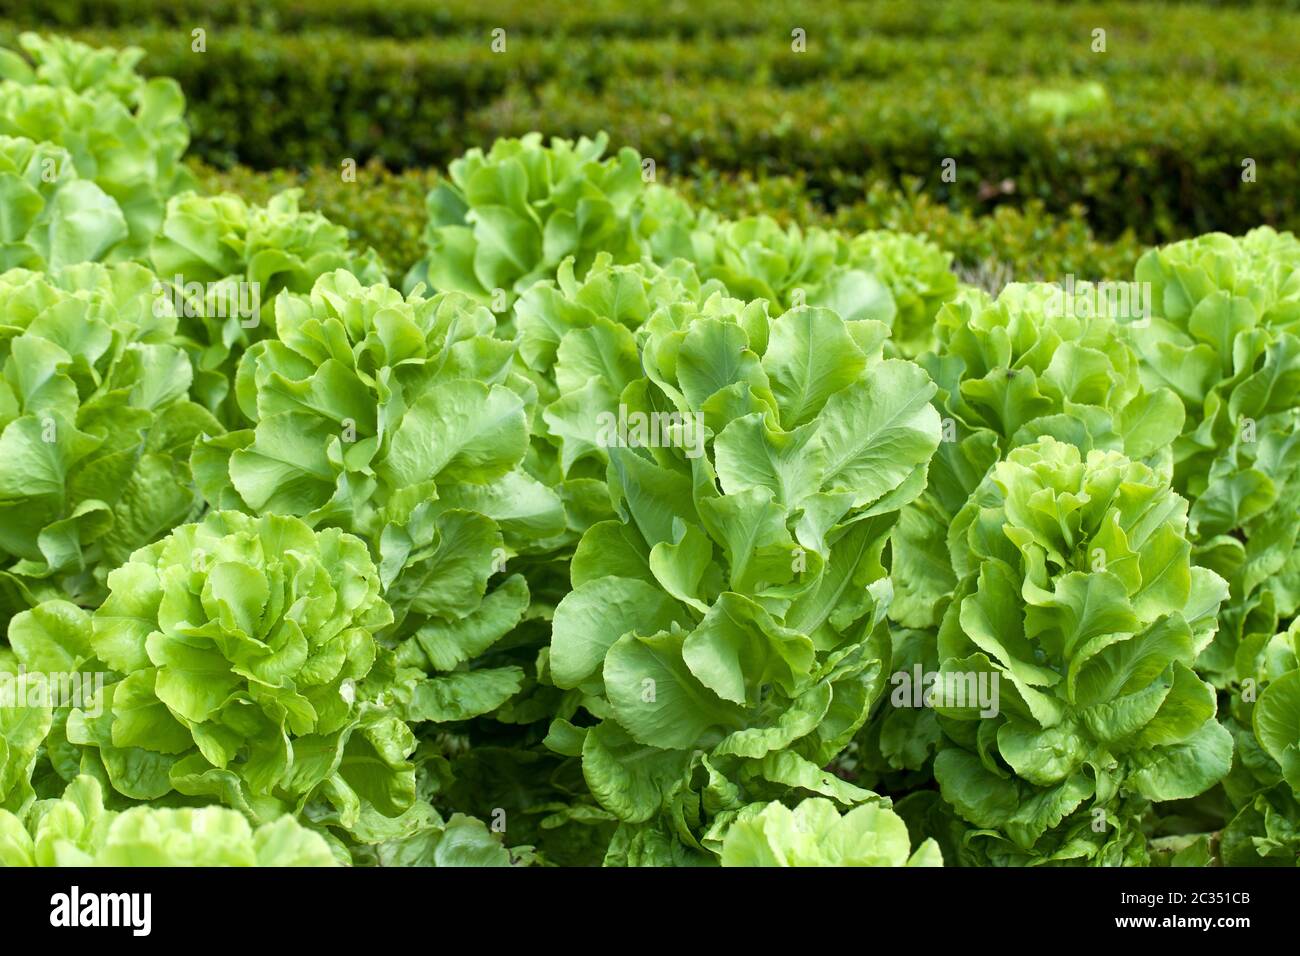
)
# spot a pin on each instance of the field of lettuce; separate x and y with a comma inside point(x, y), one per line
point(386, 483)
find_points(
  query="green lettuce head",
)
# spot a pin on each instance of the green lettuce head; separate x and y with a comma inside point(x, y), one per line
point(61, 62)
point(402, 420)
point(1046, 359)
point(52, 218)
point(895, 278)
point(666, 223)
point(919, 276)
point(366, 406)
point(77, 830)
point(1226, 338)
point(726, 629)
point(224, 262)
point(397, 419)
point(1078, 601)
point(758, 259)
point(510, 216)
point(577, 346)
point(124, 133)
point(815, 834)
point(234, 649)
point(1039, 360)
point(95, 429)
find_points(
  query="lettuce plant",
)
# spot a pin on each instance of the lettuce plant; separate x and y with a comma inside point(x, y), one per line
point(347, 397)
point(62, 62)
point(665, 223)
point(1077, 596)
point(1010, 371)
point(726, 631)
point(77, 830)
point(52, 217)
point(510, 216)
point(224, 262)
point(1226, 338)
point(577, 346)
point(815, 834)
point(918, 275)
point(756, 258)
point(235, 647)
point(95, 429)
point(402, 420)
point(895, 278)
point(26, 716)
point(126, 134)
point(398, 419)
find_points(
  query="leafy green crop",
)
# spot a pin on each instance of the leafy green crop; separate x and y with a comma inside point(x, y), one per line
point(624, 534)
point(77, 830)
point(727, 628)
point(1226, 339)
point(895, 278)
point(96, 426)
point(1077, 596)
point(54, 218)
point(814, 834)
point(509, 216)
point(235, 647)
point(224, 262)
point(1011, 371)
point(402, 420)
point(124, 133)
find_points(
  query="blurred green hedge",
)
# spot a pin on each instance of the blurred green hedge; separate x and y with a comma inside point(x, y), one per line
point(1160, 164)
point(887, 91)
point(680, 18)
point(1163, 164)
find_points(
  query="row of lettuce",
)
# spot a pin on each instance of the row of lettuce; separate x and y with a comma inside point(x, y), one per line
point(1043, 118)
point(385, 209)
point(362, 574)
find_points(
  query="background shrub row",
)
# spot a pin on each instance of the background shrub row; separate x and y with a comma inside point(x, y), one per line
point(679, 18)
point(886, 91)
